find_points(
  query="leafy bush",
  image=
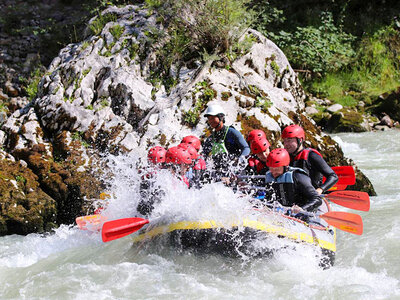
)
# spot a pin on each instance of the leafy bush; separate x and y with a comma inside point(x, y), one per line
point(374, 70)
point(323, 49)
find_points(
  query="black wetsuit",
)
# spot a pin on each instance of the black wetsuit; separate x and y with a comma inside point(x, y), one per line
point(311, 161)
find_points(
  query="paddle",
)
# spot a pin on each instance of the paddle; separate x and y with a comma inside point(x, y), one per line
point(346, 177)
point(344, 221)
point(351, 199)
point(116, 229)
point(341, 220)
point(90, 222)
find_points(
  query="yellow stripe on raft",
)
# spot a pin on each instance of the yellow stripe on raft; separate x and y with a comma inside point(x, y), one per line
point(188, 225)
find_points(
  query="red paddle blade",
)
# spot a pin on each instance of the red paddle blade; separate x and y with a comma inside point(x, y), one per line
point(116, 229)
point(346, 175)
point(351, 199)
point(90, 222)
point(344, 221)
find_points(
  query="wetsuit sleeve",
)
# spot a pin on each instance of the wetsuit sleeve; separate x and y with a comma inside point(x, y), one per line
point(240, 142)
point(321, 166)
point(304, 186)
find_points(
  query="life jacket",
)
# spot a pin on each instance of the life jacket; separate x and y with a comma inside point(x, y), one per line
point(282, 189)
point(301, 161)
point(219, 144)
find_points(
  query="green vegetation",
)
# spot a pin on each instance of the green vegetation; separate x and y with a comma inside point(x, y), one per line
point(20, 178)
point(117, 31)
point(374, 71)
point(262, 99)
point(192, 116)
point(30, 85)
point(98, 24)
point(104, 102)
point(344, 50)
point(3, 106)
point(195, 28)
point(318, 49)
point(77, 136)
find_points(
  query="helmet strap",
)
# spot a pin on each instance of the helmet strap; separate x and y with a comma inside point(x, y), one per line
point(299, 146)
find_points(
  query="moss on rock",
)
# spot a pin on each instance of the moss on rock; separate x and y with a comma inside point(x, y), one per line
point(346, 120)
point(24, 206)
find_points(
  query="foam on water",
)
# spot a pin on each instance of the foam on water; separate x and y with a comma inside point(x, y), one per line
point(74, 264)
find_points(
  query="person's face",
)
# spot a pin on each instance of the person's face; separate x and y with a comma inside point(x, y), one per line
point(213, 121)
point(263, 155)
point(290, 144)
point(184, 169)
point(276, 171)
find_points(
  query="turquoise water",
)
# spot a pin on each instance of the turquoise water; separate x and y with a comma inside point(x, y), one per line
point(74, 264)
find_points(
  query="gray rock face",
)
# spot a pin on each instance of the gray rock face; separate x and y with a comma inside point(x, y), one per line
point(96, 87)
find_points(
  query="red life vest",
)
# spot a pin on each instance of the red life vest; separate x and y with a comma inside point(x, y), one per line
point(302, 161)
point(304, 154)
point(257, 165)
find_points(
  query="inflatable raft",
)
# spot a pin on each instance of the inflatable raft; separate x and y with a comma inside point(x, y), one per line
point(237, 236)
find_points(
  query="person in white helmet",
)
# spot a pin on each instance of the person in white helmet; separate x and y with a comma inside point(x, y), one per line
point(225, 142)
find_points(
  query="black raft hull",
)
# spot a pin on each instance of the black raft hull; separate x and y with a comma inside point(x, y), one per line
point(242, 237)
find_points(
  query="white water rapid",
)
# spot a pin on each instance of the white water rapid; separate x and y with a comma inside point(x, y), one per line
point(75, 264)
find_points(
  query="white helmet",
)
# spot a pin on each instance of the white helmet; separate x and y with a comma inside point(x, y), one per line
point(214, 110)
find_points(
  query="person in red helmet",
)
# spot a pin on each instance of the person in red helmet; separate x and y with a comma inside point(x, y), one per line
point(156, 155)
point(149, 190)
point(260, 147)
point(192, 140)
point(197, 168)
point(288, 185)
point(178, 161)
point(308, 159)
point(255, 134)
point(200, 163)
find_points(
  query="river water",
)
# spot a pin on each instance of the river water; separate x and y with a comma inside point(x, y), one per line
point(74, 264)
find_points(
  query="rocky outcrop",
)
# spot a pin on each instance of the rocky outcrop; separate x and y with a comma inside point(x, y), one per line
point(382, 114)
point(100, 96)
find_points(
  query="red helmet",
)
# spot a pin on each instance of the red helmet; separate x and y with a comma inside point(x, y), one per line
point(278, 158)
point(259, 145)
point(156, 155)
point(189, 148)
point(178, 156)
point(293, 131)
point(192, 140)
point(256, 133)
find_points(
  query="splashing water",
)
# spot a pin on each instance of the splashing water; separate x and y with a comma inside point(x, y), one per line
point(74, 264)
